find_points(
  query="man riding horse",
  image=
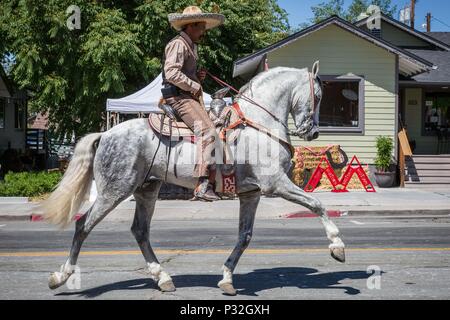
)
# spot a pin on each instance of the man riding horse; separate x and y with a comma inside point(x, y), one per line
point(135, 145)
point(183, 91)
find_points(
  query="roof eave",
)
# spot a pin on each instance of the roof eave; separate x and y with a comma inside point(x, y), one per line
point(281, 43)
point(424, 64)
point(408, 29)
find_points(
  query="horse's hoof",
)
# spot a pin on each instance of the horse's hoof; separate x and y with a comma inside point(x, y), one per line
point(227, 288)
point(55, 280)
point(167, 286)
point(338, 254)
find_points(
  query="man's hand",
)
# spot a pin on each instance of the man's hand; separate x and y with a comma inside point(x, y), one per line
point(201, 75)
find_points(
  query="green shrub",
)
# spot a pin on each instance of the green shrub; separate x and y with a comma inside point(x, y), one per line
point(29, 184)
point(385, 146)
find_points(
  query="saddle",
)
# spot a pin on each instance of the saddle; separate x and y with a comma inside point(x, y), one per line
point(169, 123)
point(169, 127)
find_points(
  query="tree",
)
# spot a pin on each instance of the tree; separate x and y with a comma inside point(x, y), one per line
point(336, 7)
point(326, 9)
point(359, 6)
point(117, 50)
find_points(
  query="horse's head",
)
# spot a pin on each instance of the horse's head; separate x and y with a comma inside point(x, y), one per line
point(305, 110)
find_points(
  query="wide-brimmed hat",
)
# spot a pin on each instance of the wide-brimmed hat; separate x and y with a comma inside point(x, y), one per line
point(193, 14)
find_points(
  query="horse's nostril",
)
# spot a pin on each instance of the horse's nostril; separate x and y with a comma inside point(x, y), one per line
point(315, 135)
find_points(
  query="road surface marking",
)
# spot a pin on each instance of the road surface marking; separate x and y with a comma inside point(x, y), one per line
point(207, 251)
point(2, 225)
point(357, 222)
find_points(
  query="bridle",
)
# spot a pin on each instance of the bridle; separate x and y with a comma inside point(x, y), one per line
point(312, 98)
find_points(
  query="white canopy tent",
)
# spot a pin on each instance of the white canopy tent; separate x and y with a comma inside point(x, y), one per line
point(145, 100)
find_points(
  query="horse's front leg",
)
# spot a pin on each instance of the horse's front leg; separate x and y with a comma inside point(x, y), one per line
point(289, 191)
point(248, 205)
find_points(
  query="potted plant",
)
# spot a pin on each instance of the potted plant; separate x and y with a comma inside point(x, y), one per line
point(383, 176)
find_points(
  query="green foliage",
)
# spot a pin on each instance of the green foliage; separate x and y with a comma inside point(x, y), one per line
point(326, 9)
point(28, 184)
point(385, 146)
point(118, 49)
point(336, 7)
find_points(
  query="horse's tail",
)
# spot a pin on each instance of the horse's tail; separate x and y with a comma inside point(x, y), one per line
point(70, 193)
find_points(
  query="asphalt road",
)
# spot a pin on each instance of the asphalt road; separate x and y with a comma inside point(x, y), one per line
point(387, 258)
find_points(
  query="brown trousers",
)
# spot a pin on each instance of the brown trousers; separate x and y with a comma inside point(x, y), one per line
point(195, 116)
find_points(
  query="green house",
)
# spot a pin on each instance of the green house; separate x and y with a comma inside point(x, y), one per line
point(375, 80)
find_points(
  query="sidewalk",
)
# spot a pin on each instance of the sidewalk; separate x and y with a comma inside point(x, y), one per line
point(388, 202)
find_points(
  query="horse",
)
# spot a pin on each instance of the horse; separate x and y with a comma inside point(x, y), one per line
point(119, 159)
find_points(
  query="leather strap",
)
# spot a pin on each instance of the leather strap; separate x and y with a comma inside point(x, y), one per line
point(245, 121)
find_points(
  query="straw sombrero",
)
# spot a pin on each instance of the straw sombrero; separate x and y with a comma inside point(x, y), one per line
point(194, 14)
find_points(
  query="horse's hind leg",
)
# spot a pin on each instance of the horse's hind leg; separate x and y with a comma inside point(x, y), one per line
point(247, 210)
point(101, 207)
point(289, 191)
point(146, 197)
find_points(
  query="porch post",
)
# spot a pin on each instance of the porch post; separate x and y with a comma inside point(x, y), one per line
point(397, 109)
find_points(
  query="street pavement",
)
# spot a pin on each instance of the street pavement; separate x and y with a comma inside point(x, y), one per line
point(402, 257)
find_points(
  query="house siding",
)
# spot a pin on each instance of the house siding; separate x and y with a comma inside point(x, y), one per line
point(342, 53)
point(3, 90)
point(399, 37)
point(9, 135)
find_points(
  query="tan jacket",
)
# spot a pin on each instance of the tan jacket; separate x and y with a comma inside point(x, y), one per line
point(180, 65)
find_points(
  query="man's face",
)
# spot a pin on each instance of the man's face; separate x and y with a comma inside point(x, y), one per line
point(196, 31)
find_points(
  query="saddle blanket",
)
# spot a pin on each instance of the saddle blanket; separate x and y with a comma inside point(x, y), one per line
point(225, 183)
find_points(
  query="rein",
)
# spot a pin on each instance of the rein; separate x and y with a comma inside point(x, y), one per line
point(223, 83)
point(247, 122)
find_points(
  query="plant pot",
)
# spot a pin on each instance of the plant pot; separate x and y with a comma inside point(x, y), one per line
point(385, 179)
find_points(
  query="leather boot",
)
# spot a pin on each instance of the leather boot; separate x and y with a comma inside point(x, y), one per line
point(204, 190)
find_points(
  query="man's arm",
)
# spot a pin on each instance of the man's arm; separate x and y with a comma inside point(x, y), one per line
point(175, 52)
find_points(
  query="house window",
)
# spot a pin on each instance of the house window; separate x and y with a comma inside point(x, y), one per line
point(341, 108)
point(19, 114)
point(437, 113)
point(2, 113)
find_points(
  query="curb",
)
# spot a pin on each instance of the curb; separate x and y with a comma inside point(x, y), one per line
point(404, 212)
point(308, 214)
point(4, 200)
point(39, 217)
point(439, 213)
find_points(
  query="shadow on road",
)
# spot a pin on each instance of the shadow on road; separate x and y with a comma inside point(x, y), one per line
point(246, 284)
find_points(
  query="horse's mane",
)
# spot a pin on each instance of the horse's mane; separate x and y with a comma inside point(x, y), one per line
point(266, 76)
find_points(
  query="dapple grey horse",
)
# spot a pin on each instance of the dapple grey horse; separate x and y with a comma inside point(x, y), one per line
point(119, 160)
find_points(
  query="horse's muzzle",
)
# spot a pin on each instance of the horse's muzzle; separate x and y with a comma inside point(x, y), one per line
point(312, 134)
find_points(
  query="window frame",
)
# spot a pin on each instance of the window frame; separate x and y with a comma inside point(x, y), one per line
point(424, 132)
point(361, 103)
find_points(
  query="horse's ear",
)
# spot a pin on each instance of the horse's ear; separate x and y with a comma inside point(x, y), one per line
point(315, 69)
